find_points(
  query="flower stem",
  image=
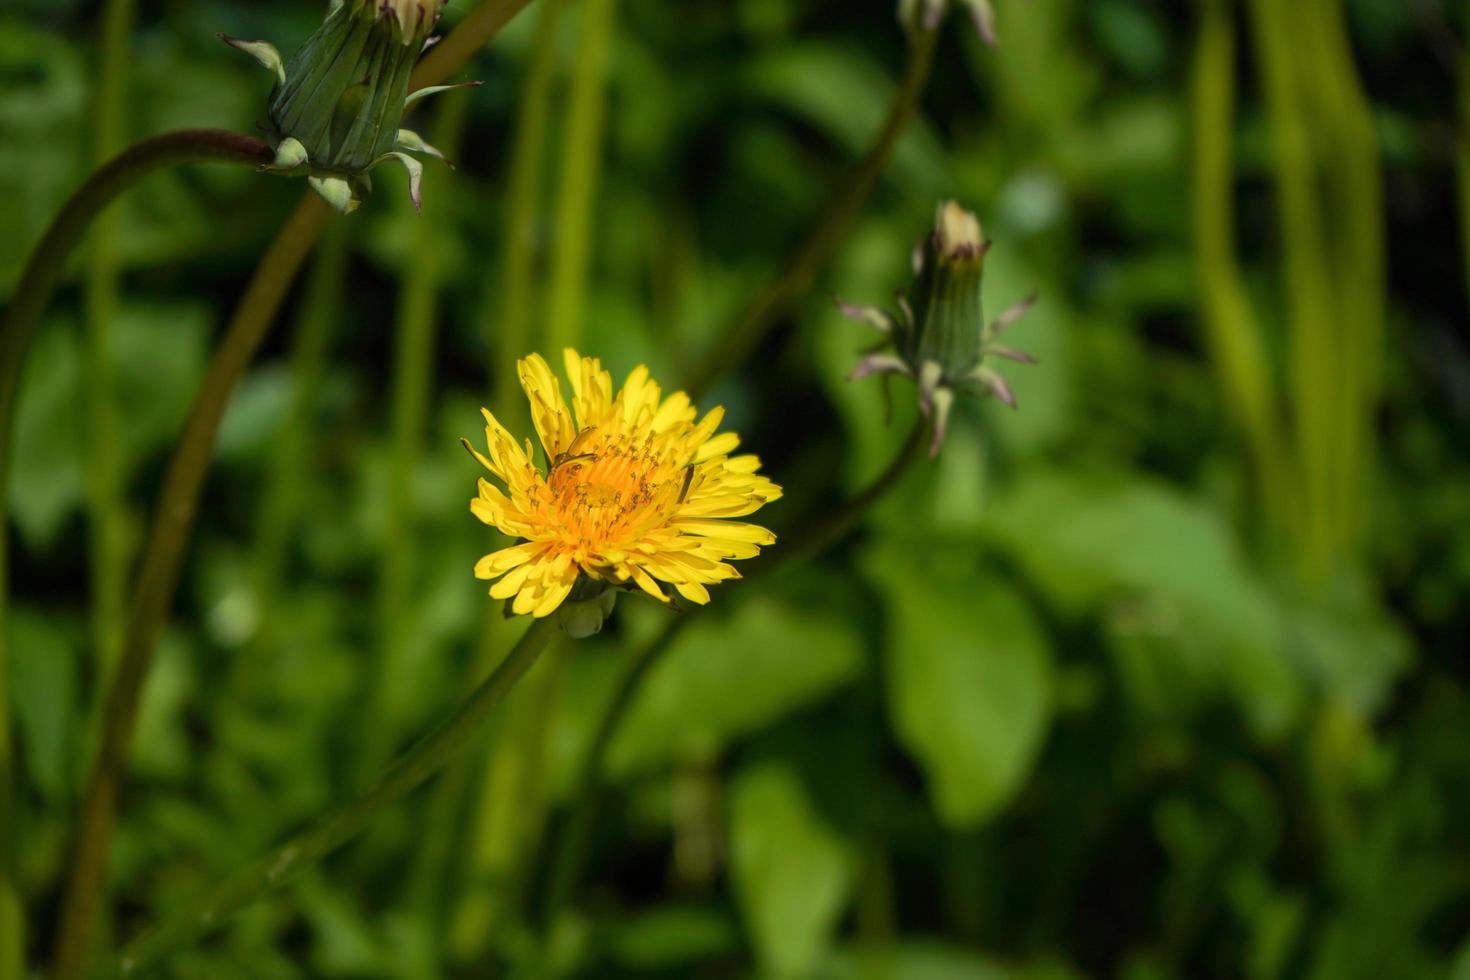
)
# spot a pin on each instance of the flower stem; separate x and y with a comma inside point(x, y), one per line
point(338, 826)
point(576, 834)
point(158, 577)
point(180, 497)
point(37, 283)
point(831, 229)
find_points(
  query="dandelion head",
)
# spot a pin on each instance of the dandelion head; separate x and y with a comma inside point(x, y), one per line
point(637, 491)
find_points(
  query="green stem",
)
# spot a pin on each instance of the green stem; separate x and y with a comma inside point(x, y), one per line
point(571, 852)
point(105, 501)
point(581, 153)
point(272, 870)
point(831, 228)
point(1232, 331)
point(180, 497)
point(158, 577)
point(523, 199)
point(38, 281)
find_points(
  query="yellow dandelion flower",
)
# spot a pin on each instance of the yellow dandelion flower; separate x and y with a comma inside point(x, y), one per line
point(636, 491)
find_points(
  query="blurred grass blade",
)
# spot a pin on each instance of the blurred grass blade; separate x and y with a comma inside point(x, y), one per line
point(413, 356)
point(510, 332)
point(108, 557)
point(1328, 185)
point(582, 147)
point(281, 501)
point(1233, 333)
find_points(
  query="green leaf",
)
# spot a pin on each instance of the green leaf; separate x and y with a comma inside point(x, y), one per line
point(776, 657)
point(1161, 564)
point(792, 873)
point(968, 678)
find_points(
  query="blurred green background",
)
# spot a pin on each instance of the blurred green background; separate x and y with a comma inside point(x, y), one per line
point(1163, 675)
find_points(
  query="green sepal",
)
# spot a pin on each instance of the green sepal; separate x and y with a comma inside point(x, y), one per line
point(415, 177)
point(424, 93)
point(414, 143)
point(291, 159)
point(337, 192)
point(263, 52)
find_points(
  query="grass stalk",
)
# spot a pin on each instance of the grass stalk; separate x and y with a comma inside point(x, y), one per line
point(108, 559)
point(1315, 362)
point(1233, 333)
point(158, 578)
point(523, 205)
point(582, 148)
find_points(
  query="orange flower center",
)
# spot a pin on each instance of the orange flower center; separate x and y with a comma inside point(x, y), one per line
point(604, 492)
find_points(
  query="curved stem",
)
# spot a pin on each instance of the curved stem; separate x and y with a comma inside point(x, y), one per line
point(38, 281)
point(340, 825)
point(179, 502)
point(158, 577)
point(831, 228)
point(571, 854)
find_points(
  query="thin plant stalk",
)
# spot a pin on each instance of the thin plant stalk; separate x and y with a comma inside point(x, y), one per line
point(829, 231)
point(280, 507)
point(341, 824)
point(158, 578)
point(1330, 201)
point(180, 496)
point(418, 315)
point(571, 851)
point(105, 500)
point(1232, 330)
point(581, 159)
point(1315, 380)
point(33, 292)
point(512, 327)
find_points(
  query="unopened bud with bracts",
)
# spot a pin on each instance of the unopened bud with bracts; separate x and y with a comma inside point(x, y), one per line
point(926, 15)
point(337, 105)
point(938, 337)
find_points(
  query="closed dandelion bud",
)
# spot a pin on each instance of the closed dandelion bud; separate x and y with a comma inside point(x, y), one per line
point(938, 336)
point(946, 299)
point(338, 104)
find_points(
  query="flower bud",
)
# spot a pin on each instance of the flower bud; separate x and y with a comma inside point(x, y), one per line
point(336, 108)
point(939, 336)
